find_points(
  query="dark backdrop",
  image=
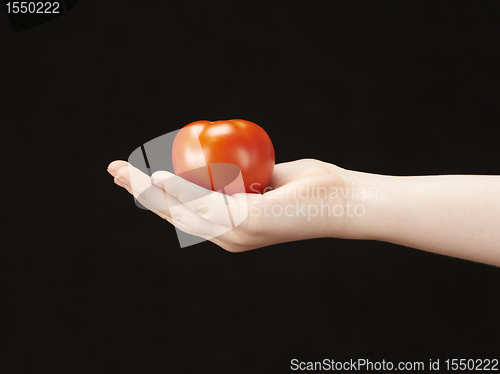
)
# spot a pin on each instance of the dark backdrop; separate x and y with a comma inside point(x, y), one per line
point(94, 284)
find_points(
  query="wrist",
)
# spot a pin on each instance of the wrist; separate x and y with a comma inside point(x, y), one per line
point(367, 204)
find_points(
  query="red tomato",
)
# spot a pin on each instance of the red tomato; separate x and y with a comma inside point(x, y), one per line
point(212, 154)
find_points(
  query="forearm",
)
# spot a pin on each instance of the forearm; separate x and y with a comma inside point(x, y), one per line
point(454, 215)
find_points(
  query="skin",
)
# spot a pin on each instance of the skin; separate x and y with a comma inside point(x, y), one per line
point(453, 215)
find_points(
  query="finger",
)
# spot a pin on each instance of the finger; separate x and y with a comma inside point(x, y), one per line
point(165, 205)
point(115, 165)
point(179, 187)
point(141, 188)
point(188, 221)
point(213, 206)
point(287, 172)
point(144, 202)
point(282, 174)
point(216, 236)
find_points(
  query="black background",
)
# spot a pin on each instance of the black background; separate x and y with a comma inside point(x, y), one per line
point(94, 284)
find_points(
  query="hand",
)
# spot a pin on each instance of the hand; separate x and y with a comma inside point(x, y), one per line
point(304, 200)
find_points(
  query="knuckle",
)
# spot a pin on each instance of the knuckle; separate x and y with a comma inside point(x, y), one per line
point(201, 208)
point(178, 218)
point(316, 170)
point(207, 206)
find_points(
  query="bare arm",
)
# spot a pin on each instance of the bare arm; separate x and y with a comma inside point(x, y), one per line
point(454, 215)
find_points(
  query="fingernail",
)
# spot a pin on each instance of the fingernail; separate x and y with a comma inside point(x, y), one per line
point(118, 183)
point(112, 172)
point(121, 182)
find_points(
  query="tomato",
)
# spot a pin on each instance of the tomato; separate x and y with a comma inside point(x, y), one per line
point(213, 154)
